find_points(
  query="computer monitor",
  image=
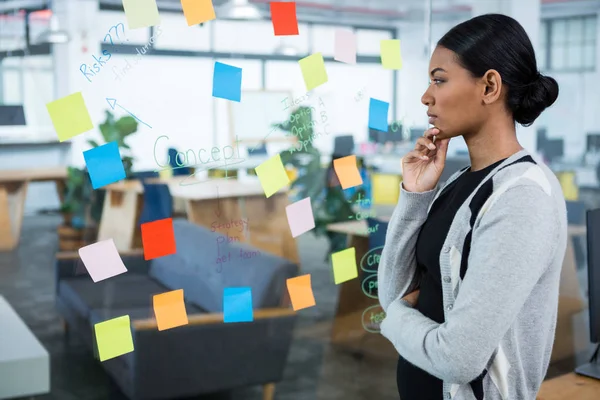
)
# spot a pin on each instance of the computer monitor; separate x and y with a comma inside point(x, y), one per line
point(553, 149)
point(592, 369)
point(593, 142)
point(542, 138)
point(415, 133)
point(11, 115)
point(377, 136)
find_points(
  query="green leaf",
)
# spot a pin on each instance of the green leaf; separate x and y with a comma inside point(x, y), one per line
point(93, 143)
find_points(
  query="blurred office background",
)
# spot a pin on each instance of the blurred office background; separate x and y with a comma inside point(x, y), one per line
point(335, 351)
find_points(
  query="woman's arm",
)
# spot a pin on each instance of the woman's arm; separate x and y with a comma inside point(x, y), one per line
point(512, 247)
point(396, 274)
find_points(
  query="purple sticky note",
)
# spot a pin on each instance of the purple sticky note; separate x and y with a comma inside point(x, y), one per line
point(102, 260)
point(300, 217)
point(345, 46)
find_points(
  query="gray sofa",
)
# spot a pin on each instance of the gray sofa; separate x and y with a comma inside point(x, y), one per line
point(205, 356)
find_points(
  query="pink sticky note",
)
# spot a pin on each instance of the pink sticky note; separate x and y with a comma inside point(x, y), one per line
point(300, 217)
point(102, 260)
point(345, 46)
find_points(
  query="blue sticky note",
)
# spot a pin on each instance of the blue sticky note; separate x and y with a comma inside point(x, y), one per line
point(227, 82)
point(237, 304)
point(104, 164)
point(378, 114)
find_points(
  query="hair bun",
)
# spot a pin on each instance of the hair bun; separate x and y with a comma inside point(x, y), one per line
point(538, 95)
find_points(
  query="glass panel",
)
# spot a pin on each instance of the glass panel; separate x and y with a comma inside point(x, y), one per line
point(368, 41)
point(589, 56)
point(558, 58)
point(559, 32)
point(12, 86)
point(574, 56)
point(175, 34)
point(575, 30)
point(541, 58)
point(323, 40)
point(590, 30)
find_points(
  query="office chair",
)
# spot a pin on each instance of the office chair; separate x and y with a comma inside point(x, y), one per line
point(177, 169)
point(343, 146)
point(158, 203)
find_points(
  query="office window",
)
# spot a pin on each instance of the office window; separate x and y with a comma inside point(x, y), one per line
point(568, 44)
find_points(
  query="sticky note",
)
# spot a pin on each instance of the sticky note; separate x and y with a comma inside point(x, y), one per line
point(227, 82)
point(141, 13)
point(169, 309)
point(300, 217)
point(104, 164)
point(69, 116)
point(378, 114)
point(345, 46)
point(347, 171)
point(301, 293)
point(102, 260)
point(313, 71)
point(283, 16)
point(344, 265)
point(158, 238)
point(237, 304)
point(113, 337)
point(391, 58)
point(198, 11)
point(272, 175)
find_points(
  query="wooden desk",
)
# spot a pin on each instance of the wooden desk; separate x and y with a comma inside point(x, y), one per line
point(570, 386)
point(217, 200)
point(13, 191)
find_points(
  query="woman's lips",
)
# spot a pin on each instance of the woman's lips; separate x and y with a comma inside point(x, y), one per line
point(432, 120)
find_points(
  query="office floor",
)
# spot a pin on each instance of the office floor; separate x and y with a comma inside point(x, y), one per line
point(316, 369)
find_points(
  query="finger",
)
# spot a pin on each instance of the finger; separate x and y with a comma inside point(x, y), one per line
point(415, 155)
point(431, 132)
point(426, 143)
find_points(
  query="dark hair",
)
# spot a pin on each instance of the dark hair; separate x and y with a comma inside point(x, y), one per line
point(495, 41)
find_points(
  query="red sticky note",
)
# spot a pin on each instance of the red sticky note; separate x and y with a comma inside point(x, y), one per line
point(158, 238)
point(283, 15)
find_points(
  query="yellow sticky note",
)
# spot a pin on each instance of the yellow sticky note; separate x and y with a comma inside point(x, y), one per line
point(344, 265)
point(198, 11)
point(113, 337)
point(313, 71)
point(272, 175)
point(69, 116)
point(141, 13)
point(391, 57)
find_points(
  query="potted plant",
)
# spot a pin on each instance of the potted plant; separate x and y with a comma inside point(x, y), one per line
point(313, 180)
point(82, 205)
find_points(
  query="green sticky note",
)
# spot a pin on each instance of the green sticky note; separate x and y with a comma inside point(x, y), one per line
point(69, 116)
point(313, 71)
point(113, 337)
point(272, 175)
point(344, 265)
point(141, 13)
point(391, 58)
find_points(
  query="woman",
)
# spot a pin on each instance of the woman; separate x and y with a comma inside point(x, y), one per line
point(469, 274)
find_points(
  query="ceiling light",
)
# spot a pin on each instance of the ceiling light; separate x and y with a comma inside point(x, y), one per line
point(239, 9)
point(54, 35)
point(286, 50)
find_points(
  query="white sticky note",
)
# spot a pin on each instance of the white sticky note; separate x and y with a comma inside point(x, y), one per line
point(345, 46)
point(300, 217)
point(102, 260)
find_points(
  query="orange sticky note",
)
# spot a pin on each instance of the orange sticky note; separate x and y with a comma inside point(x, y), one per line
point(301, 293)
point(198, 11)
point(158, 238)
point(347, 172)
point(283, 16)
point(169, 309)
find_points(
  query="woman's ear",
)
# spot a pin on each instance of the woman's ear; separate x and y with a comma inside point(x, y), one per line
point(492, 83)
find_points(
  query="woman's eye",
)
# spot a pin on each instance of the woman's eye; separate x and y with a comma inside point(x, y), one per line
point(437, 81)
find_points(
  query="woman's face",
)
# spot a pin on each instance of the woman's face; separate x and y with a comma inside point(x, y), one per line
point(453, 98)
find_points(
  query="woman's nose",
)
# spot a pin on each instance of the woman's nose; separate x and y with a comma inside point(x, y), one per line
point(427, 99)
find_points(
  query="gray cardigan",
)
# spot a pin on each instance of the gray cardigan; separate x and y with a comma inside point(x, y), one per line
point(500, 319)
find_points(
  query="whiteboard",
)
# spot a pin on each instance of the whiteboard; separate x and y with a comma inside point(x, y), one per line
point(252, 118)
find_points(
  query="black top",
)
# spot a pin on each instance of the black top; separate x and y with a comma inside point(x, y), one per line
point(413, 382)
